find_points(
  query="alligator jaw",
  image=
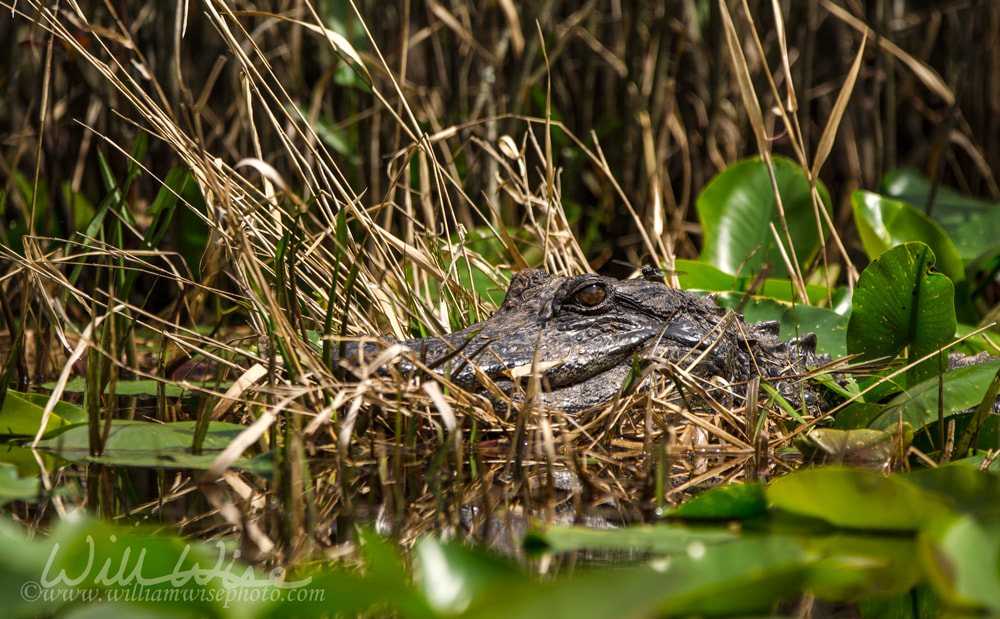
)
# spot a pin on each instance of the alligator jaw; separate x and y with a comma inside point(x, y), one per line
point(596, 390)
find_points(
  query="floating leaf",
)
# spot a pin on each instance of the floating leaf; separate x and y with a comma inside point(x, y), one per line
point(863, 565)
point(22, 414)
point(961, 558)
point(148, 444)
point(656, 538)
point(973, 492)
point(455, 578)
point(858, 499)
point(861, 447)
point(744, 577)
point(15, 488)
point(740, 501)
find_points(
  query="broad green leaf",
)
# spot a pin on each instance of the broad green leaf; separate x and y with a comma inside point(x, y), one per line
point(456, 579)
point(829, 326)
point(862, 447)
point(148, 444)
point(988, 437)
point(918, 405)
point(15, 488)
point(862, 565)
point(177, 577)
point(974, 492)
point(883, 223)
point(22, 414)
point(856, 415)
point(737, 207)
point(696, 276)
point(22, 561)
point(979, 239)
point(25, 460)
point(140, 387)
point(736, 501)
point(744, 577)
point(899, 302)
point(69, 412)
point(962, 560)
point(386, 568)
point(129, 435)
point(953, 211)
point(658, 538)
point(858, 499)
point(339, 592)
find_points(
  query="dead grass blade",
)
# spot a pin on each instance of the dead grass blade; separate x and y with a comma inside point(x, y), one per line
point(741, 70)
point(830, 130)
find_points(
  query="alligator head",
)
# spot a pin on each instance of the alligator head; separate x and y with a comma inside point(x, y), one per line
point(582, 333)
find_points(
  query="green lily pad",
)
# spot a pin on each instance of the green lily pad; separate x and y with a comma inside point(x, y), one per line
point(961, 559)
point(26, 460)
point(858, 499)
point(918, 405)
point(868, 565)
point(972, 224)
point(899, 302)
point(454, 578)
point(22, 414)
point(16, 488)
point(737, 207)
point(861, 447)
point(143, 387)
point(883, 223)
point(148, 444)
point(743, 577)
point(736, 501)
point(829, 326)
point(656, 538)
point(973, 491)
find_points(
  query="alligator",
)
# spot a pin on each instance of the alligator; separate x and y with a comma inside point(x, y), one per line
point(584, 335)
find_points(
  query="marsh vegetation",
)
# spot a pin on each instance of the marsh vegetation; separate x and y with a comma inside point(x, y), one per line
point(201, 202)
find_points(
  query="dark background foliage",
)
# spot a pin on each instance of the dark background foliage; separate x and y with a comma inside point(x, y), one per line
point(651, 81)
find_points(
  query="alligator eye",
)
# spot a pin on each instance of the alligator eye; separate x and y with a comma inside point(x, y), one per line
point(591, 295)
